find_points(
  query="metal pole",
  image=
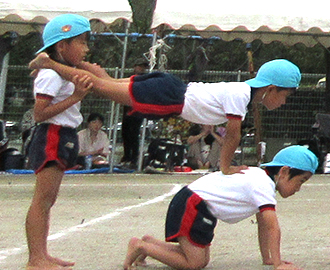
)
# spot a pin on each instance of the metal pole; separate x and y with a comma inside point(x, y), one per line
point(144, 123)
point(3, 80)
point(111, 121)
point(117, 110)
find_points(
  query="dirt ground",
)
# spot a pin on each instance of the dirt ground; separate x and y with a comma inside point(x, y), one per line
point(96, 215)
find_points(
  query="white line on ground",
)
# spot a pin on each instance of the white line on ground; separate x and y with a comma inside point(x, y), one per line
point(4, 254)
point(87, 185)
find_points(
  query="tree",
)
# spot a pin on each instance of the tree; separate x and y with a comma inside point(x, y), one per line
point(142, 14)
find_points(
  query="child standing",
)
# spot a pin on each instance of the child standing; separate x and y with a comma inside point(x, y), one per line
point(160, 95)
point(54, 146)
point(193, 212)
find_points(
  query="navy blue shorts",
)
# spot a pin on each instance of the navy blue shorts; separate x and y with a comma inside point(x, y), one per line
point(188, 216)
point(53, 145)
point(156, 95)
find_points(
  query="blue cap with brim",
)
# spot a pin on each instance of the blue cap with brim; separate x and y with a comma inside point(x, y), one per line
point(296, 156)
point(63, 27)
point(279, 72)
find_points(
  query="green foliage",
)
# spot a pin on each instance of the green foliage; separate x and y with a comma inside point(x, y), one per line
point(142, 14)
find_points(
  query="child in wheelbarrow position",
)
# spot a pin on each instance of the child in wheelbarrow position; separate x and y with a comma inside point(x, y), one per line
point(158, 95)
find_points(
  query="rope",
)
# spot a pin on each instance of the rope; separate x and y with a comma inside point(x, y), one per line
point(152, 55)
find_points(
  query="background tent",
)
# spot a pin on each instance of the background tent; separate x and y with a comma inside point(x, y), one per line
point(25, 17)
point(290, 22)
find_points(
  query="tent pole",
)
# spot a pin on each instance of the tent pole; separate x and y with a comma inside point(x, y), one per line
point(3, 80)
point(255, 107)
point(327, 81)
point(111, 132)
point(144, 123)
point(117, 107)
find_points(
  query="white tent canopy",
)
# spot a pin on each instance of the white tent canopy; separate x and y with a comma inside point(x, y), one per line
point(290, 22)
point(32, 15)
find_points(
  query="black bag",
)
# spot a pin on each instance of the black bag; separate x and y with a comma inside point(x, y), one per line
point(164, 153)
point(11, 158)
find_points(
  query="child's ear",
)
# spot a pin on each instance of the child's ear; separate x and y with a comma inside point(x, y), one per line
point(284, 170)
point(60, 45)
point(271, 87)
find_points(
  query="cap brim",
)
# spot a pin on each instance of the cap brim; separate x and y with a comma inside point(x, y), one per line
point(256, 83)
point(45, 47)
point(271, 164)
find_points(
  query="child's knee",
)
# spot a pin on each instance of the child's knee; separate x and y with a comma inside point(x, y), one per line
point(198, 263)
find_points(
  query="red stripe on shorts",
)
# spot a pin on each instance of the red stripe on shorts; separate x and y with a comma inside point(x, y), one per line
point(53, 139)
point(189, 215)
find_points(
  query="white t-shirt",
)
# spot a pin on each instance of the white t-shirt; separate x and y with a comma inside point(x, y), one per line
point(232, 198)
point(50, 83)
point(209, 103)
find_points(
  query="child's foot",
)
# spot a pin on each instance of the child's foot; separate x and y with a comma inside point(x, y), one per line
point(133, 252)
point(50, 263)
point(46, 266)
point(60, 262)
point(40, 61)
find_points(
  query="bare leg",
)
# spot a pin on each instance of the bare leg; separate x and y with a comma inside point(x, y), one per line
point(186, 256)
point(116, 90)
point(37, 220)
point(141, 260)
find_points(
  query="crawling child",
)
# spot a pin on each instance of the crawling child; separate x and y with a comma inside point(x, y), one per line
point(193, 212)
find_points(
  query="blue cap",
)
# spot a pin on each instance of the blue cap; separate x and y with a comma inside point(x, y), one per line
point(279, 72)
point(63, 27)
point(296, 156)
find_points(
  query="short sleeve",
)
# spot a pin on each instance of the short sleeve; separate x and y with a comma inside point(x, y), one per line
point(48, 82)
point(236, 100)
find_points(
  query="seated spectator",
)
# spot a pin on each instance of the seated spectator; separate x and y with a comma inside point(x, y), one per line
point(204, 147)
point(93, 142)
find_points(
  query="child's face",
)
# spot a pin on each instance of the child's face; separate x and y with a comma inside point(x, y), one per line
point(274, 98)
point(74, 52)
point(286, 186)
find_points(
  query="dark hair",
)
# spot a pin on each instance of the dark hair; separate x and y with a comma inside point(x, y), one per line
point(273, 170)
point(51, 51)
point(209, 139)
point(95, 116)
point(292, 89)
point(194, 130)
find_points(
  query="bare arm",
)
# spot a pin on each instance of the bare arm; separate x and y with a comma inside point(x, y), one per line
point(230, 144)
point(269, 235)
point(100, 72)
point(43, 109)
point(194, 139)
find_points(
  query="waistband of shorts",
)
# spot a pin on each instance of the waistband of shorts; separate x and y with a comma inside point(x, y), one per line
point(51, 124)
